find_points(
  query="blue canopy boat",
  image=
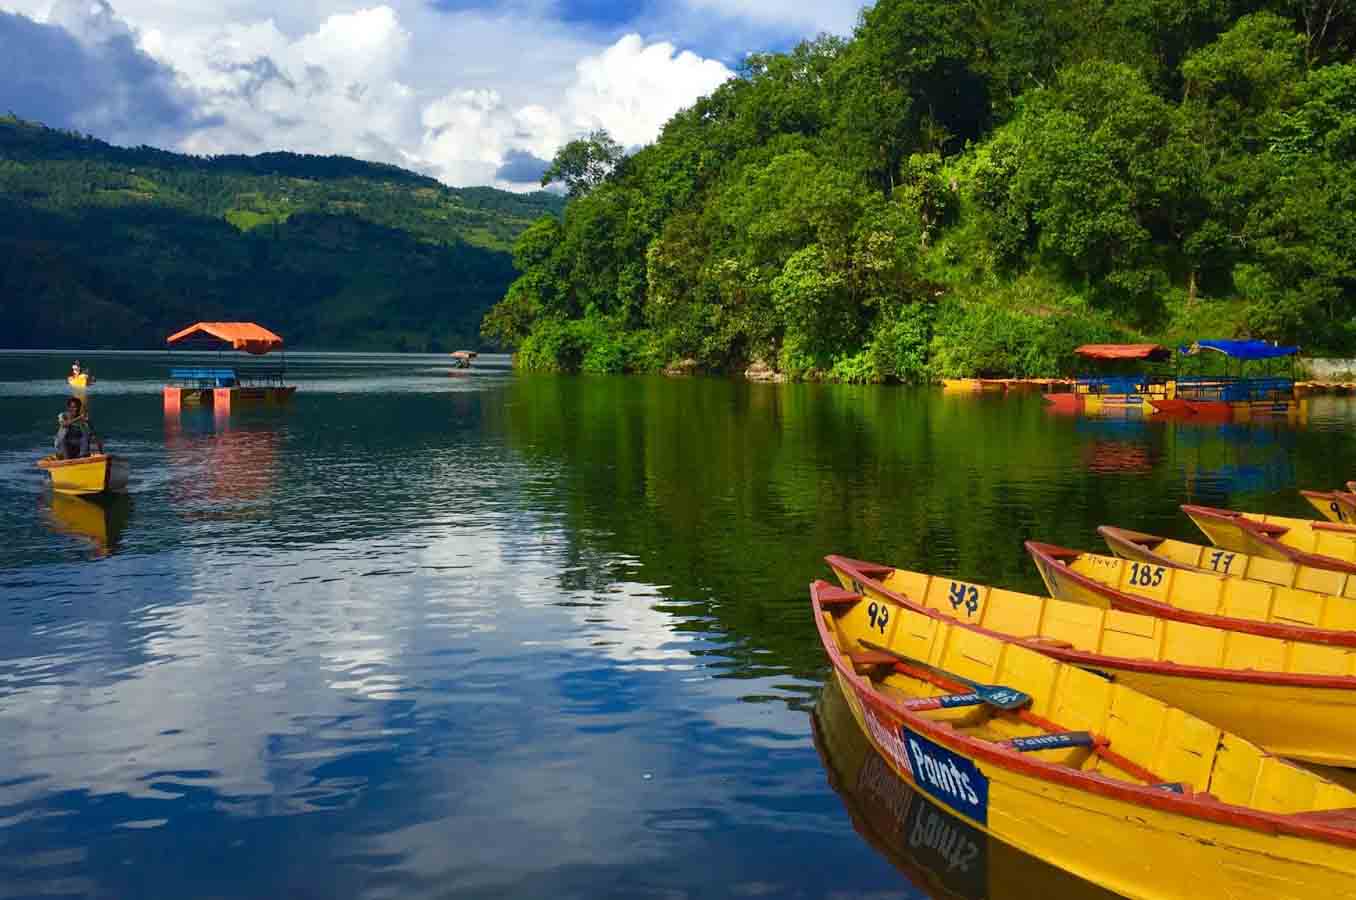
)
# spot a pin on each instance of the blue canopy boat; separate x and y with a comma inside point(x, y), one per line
point(1232, 394)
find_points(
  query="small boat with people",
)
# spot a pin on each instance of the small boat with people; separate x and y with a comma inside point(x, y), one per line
point(78, 463)
point(99, 473)
point(461, 359)
point(1020, 740)
point(79, 378)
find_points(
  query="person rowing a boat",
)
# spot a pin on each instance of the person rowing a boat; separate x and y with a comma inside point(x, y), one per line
point(75, 369)
point(74, 431)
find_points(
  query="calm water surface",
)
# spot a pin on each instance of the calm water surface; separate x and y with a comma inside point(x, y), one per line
point(427, 636)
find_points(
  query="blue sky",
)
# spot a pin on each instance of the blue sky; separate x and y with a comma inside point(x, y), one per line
point(469, 91)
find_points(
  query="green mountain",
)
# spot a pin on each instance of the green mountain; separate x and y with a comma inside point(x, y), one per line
point(111, 247)
point(969, 187)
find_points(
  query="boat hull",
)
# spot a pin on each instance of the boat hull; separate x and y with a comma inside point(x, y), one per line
point(1335, 506)
point(1334, 578)
point(1109, 404)
point(1088, 834)
point(941, 855)
point(1311, 724)
point(1275, 537)
point(1309, 692)
point(99, 474)
point(1201, 598)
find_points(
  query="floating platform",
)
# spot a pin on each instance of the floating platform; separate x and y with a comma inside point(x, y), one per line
point(223, 399)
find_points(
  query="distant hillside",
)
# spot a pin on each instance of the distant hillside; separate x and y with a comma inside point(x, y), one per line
point(112, 247)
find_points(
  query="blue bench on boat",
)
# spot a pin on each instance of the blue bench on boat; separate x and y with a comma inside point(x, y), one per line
point(204, 377)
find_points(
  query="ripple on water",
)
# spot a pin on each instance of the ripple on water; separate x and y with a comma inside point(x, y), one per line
point(525, 637)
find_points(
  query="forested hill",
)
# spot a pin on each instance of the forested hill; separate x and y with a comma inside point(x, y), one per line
point(970, 187)
point(112, 247)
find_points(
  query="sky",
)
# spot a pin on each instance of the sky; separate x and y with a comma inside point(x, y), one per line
point(468, 91)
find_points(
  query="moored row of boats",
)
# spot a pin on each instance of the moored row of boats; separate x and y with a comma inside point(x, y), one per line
point(1137, 379)
point(1188, 701)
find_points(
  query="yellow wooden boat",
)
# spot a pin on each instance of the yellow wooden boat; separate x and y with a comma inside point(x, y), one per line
point(1203, 598)
point(1107, 783)
point(1335, 506)
point(97, 474)
point(83, 380)
point(1240, 531)
point(1288, 696)
point(1328, 577)
point(941, 855)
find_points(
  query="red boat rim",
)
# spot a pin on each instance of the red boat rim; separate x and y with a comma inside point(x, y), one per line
point(1200, 806)
point(1051, 555)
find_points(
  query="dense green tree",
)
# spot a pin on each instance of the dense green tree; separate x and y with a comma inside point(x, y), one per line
point(584, 163)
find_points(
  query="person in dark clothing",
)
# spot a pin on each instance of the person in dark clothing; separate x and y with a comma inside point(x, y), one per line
point(74, 431)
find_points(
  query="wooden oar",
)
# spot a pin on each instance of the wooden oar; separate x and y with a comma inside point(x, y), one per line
point(993, 694)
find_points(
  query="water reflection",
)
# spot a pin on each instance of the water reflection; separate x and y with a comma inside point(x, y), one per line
point(940, 855)
point(218, 465)
point(97, 521)
point(420, 636)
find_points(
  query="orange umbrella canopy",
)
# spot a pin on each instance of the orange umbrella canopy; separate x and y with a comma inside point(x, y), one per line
point(245, 336)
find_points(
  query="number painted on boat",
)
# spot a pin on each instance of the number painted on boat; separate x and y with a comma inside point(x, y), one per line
point(879, 614)
point(1146, 575)
point(948, 777)
point(1337, 509)
point(966, 595)
point(1220, 561)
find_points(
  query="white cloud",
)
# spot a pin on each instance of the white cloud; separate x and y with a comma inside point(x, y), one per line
point(630, 88)
point(333, 90)
point(466, 96)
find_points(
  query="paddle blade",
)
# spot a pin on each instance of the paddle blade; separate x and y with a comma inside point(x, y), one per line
point(1002, 697)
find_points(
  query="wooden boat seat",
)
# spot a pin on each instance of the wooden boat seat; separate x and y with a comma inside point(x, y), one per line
point(869, 659)
point(837, 598)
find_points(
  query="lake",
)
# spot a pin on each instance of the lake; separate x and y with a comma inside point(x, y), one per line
point(416, 635)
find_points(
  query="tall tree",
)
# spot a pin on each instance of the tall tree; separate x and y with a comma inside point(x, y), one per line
point(584, 163)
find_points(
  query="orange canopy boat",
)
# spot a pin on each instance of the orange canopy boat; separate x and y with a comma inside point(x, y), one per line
point(245, 336)
point(231, 379)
